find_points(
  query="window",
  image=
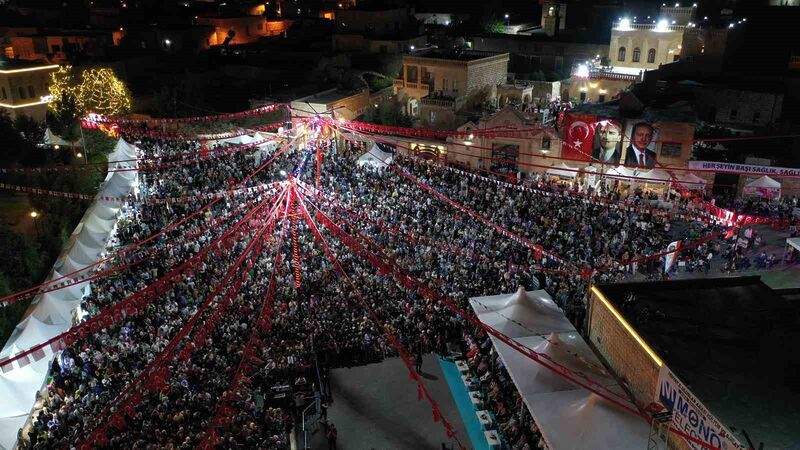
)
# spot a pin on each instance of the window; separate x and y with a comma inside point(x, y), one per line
point(258, 27)
point(601, 98)
point(671, 149)
point(504, 157)
point(21, 92)
point(545, 142)
point(583, 96)
point(734, 113)
point(756, 116)
point(444, 85)
point(651, 55)
point(637, 54)
point(455, 85)
point(4, 94)
point(433, 116)
point(31, 92)
point(621, 54)
point(56, 49)
point(411, 74)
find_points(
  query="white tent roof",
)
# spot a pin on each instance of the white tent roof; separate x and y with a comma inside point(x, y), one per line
point(568, 416)
point(655, 176)
point(52, 313)
point(794, 243)
point(375, 157)
point(691, 181)
point(54, 309)
point(51, 138)
point(564, 171)
point(764, 182)
point(9, 426)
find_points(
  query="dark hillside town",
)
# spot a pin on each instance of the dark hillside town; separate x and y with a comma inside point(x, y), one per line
point(399, 225)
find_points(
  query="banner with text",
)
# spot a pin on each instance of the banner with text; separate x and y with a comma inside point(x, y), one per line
point(690, 416)
point(724, 167)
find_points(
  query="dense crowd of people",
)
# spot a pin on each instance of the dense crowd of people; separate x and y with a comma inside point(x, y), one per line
point(324, 323)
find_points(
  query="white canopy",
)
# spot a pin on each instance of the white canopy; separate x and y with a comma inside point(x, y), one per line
point(53, 311)
point(691, 181)
point(657, 176)
point(564, 171)
point(51, 138)
point(763, 187)
point(569, 416)
point(794, 243)
point(123, 155)
point(376, 158)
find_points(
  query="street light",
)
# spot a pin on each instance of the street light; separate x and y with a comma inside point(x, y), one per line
point(56, 146)
point(35, 216)
point(79, 155)
point(506, 16)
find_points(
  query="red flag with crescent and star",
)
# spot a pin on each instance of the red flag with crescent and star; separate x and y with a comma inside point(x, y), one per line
point(578, 136)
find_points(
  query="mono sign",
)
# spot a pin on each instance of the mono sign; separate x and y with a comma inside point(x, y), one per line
point(690, 416)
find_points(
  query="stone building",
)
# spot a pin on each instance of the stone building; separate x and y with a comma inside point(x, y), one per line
point(242, 29)
point(437, 85)
point(333, 102)
point(377, 30)
point(597, 87)
point(505, 154)
point(24, 88)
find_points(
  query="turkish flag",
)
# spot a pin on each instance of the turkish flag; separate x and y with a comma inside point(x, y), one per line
point(578, 136)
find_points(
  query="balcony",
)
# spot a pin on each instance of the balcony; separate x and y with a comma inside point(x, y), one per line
point(399, 83)
point(442, 102)
point(601, 75)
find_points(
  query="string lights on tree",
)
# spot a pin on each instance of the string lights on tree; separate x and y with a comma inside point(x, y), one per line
point(79, 92)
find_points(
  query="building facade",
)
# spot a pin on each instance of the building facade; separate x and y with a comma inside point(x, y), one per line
point(436, 85)
point(24, 88)
point(242, 29)
point(597, 87)
point(529, 54)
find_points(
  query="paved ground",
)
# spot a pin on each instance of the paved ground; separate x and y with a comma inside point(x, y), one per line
point(376, 407)
point(781, 276)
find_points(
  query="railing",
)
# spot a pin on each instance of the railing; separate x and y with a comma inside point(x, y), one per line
point(440, 102)
point(310, 423)
point(648, 26)
point(613, 76)
point(411, 85)
point(398, 82)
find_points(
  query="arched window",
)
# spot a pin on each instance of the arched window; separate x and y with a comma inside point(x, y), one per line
point(651, 55)
point(621, 54)
point(637, 54)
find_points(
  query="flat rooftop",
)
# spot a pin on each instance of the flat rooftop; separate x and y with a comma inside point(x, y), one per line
point(454, 55)
point(19, 64)
point(733, 341)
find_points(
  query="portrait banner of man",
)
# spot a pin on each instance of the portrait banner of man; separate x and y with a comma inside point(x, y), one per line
point(641, 138)
point(607, 143)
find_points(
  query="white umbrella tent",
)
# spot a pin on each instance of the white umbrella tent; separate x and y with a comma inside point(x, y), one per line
point(568, 416)
point(375, 158)
point(763, 187)
point(52, 313)
point(563, 171)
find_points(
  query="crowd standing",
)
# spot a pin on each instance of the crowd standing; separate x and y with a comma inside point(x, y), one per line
point(324, 324)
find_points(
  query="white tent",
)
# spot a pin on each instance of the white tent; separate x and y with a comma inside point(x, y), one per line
point(655, 176)
point(564, 171)
point(691, 181)
point(123, 155)
point(53, 311)
point(763, 187)
point(376, 158)
point(568, 416)
point(52, 139)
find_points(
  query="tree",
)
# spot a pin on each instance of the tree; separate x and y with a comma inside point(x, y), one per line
point(388, 113)
point(79, 92)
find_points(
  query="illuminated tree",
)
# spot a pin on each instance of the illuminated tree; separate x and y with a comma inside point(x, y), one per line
point(76, 94)
point(102, 92)
point(62, 88)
